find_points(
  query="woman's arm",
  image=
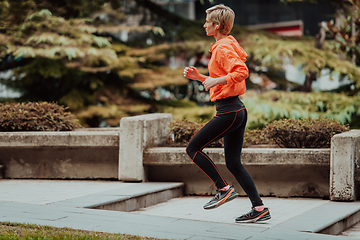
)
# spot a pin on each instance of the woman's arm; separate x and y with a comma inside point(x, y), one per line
point(208, 82)
point(236, 69)
point(192, 73)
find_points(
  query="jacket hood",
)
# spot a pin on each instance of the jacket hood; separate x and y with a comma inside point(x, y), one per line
point(231, 41)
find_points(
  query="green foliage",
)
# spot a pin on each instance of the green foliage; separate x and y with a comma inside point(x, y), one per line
point(43, 35)
point(184, 130)
point(275, 105)
point(303, 133)
point(347, 36)
point(275, 52)
point(182, 109)
point(36, 116)
point(50, 80)
point(253, 137)
point(289, 133)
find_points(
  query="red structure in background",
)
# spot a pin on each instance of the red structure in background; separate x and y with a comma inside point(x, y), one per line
point(290, 28)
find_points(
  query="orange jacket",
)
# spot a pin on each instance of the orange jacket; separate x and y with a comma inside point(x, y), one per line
point(228, 59)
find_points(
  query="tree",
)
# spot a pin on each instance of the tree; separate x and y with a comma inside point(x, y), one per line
point(60, 59)
point(344, 29)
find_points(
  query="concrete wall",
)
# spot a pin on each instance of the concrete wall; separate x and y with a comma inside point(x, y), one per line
point(130, 153)
point(60, 155)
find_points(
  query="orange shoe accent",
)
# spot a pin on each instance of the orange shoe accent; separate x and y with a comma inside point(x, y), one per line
point(226, 197)
point(262, 214)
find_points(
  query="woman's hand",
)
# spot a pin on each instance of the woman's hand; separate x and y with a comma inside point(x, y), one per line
point(212, 82)
point(192, 73)
point(209, 83)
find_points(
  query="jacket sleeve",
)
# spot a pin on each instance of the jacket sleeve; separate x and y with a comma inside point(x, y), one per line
point(235, 68)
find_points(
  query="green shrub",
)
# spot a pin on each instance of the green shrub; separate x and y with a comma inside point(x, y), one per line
point(36, 116)
point(303, 133)
point(184, 130)
point(255, 137)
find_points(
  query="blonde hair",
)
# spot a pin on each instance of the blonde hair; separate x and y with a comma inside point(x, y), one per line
point(222, 15)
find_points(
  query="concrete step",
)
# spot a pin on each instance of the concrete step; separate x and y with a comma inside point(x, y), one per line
point(143, 196)
point(344, 225)
point(353, 231)
point(129, 198)
point(330, 218)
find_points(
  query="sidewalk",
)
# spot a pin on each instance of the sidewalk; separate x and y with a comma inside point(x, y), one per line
point(61, 203)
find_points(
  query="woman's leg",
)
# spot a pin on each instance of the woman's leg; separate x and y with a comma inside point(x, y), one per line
point(233, 142)
point(215, 129)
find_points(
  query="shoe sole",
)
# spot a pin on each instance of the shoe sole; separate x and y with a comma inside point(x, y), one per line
point(218, 204)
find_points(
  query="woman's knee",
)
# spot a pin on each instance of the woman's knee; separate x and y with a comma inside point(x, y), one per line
point(234, 167)
point(191, 151)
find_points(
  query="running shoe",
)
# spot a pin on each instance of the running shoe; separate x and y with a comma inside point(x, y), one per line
point(221, 197)
point(254, 216)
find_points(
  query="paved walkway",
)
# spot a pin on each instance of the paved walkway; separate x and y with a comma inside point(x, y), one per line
point(61, 204)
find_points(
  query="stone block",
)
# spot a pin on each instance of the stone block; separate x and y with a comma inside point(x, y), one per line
point(136, 134)
point(344, 166)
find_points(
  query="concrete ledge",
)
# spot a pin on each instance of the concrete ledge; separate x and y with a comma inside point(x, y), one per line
point(250, 156)
point(60, 155)
point(60, 139)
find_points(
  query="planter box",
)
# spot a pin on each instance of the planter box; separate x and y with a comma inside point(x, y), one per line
point(276, 171)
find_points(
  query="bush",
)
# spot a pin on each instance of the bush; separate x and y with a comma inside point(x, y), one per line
point(184, 130)
point(36, 116)
point(255, 137)
point(303, 133)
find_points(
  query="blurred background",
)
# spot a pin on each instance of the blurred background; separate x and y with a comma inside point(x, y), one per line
point(107, 59)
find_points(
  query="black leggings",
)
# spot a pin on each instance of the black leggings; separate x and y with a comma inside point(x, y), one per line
point(229, 123)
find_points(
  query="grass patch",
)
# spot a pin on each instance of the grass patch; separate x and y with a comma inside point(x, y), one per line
point(21, 231)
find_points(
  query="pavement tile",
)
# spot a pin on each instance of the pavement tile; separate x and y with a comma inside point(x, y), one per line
point(319, 218)
point(205, 229)
point(209, 238)
point(109, 218)
point(288, 234)
point(77, 222)
point(147, 220)
point(60, 204)
point(48, 191)
point(132, 229)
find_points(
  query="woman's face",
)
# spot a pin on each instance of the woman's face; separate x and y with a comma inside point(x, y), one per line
point(209, 26)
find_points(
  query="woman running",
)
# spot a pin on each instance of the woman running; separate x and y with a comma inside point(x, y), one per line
point(226, 82)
